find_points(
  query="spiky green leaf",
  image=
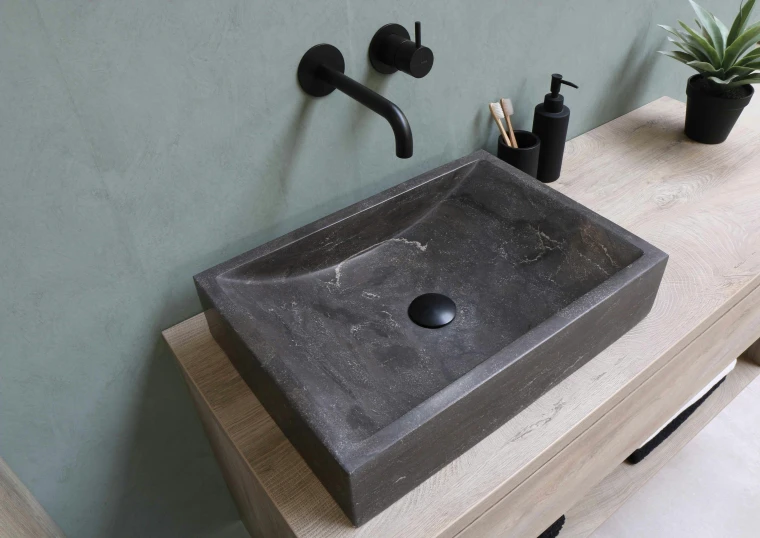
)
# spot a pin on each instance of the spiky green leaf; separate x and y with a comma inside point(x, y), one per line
point(703, 46)
point(682, 57)
point(671, 30)
point(687, 42)
point(722, 81)
point(742, 81)
point(740, 22)
point(685, 50)
point(703, 31)
point(754, 64)
point(689, 49)
point(741, 45)
point(710, 28)
point(705, 67)
point(740, 71)
point(750, 57)
point(723, 29)
point(694, 46)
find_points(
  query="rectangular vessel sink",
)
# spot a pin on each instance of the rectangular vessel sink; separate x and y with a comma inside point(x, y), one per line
point(317, 322)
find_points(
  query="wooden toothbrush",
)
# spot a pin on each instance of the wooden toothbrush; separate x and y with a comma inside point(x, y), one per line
point(497, 114)
point(508, 109)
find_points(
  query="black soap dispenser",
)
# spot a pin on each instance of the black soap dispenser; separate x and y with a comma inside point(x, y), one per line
point(550, 121)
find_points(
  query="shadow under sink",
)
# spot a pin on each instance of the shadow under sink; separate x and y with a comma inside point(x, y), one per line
point(316, 321)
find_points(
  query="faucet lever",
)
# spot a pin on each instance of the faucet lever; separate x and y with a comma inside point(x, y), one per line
point(418, 34)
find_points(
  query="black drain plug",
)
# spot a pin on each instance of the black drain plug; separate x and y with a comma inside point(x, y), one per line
point(432, 310)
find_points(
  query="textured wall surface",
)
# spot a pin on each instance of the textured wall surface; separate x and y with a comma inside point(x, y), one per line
point(144, 141)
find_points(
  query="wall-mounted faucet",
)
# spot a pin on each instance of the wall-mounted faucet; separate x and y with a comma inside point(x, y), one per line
point(392, 49)
point(321, 71)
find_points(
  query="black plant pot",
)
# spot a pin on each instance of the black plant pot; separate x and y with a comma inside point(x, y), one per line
point(709, 119)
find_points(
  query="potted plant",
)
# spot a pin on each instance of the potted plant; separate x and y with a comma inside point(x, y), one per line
point(727, 62)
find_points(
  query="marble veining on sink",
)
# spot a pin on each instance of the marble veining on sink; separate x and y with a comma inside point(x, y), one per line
point(317, 324)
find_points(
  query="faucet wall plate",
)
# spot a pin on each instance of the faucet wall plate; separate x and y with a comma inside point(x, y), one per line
point(316, 56)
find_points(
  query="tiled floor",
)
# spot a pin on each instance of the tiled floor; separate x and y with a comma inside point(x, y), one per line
point(711, 489)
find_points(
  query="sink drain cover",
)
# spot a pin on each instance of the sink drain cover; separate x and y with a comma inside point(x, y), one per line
point(432, 310)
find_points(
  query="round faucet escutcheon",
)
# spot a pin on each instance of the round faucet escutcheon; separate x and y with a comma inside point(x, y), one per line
point(432, 310)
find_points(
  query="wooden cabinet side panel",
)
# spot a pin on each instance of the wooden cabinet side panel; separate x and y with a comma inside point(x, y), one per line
point(259, 514)
point(21, 515)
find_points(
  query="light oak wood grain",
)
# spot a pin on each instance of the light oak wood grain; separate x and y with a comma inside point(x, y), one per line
point(698, 203)
point(610, 494)
point(259, 514)
point(21, 516)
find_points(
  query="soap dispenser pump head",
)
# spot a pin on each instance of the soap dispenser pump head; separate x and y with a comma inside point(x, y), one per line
point(557, 81)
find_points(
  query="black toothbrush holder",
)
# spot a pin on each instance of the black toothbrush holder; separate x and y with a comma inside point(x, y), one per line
point(525, 156)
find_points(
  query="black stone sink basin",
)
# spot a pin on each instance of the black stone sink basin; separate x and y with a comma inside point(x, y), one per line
point(317, 322)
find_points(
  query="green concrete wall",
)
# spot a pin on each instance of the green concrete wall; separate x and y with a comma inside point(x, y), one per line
point(143, 141)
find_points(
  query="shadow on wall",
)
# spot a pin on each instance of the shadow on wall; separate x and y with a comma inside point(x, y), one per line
point(631, 78)
point(284, 155)
point(171, 480)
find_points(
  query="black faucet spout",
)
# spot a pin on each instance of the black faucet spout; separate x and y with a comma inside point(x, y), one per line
point(376, 103)
point(320, 72)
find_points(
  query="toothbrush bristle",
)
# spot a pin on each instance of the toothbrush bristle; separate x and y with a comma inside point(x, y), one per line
point(497, 110)
point(508, 106)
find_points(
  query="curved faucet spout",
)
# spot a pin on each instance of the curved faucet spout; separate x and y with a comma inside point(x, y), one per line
point(375, 102)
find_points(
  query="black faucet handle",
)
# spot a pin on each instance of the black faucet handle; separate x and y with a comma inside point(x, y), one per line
point(412, 58)
point(392, 49)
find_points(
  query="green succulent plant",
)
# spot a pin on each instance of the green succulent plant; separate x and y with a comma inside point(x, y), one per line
point(728, 58)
